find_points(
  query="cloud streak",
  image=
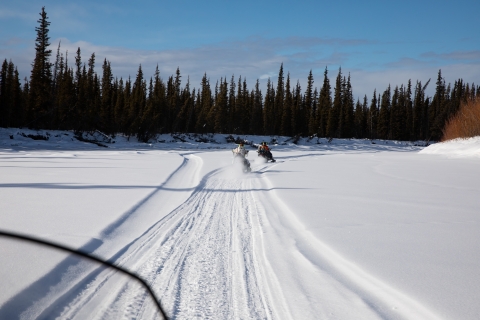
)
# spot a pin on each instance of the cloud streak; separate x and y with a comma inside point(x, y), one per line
point(467, 56)
point(260, 58)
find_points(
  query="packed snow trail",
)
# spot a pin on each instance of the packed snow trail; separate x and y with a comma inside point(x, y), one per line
point(202, 259)
point(216, 256)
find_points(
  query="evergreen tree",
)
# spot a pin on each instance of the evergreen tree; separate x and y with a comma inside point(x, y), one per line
point(204, 105)
point(11, 96)
point(127, 94)
point(437, 115)
point(41, 76)
point(257, 117)
point(408, 132)
point(383, 125)
point(309, 112)
point(268, 121)
point(334, 115)
point(277, 110)
point(137, 105)
point(420, 112)
point(366, 113)
point(373, 117)
point(221, 105)
point(118, 108)
point(347, 120)
point(395, 123)
point(358, 121)
point(246, 108)
point(79, 109)
point(106, 112)
point(286, 126)
point(4, 95)
point(296, 110)
point(324, 105)
point(239, 108)
point(159, 102)
point(147, 126)
point(65, 96)
point(231, 108)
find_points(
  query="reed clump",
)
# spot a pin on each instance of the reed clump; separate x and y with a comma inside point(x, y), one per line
point(465, 123)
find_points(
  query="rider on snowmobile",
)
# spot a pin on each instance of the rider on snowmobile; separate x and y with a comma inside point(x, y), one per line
point(241, 152)
point(264, 151)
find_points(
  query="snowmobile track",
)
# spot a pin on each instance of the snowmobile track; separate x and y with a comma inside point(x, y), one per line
point(204, 260)
point(208, 258)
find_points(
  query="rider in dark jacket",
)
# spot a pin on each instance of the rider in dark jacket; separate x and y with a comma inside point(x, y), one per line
point(264, 150)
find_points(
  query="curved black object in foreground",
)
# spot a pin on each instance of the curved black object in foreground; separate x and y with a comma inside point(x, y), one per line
point(89, 257)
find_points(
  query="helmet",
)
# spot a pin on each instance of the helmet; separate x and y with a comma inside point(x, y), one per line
point(241, 144)
point(264, 143)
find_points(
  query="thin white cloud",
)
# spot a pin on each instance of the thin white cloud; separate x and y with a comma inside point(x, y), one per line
point(407, 63)
point(18, 14)
point(467, 56)
point(254, 59)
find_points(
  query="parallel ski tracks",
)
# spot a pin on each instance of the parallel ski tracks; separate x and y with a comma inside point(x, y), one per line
point(204, 260)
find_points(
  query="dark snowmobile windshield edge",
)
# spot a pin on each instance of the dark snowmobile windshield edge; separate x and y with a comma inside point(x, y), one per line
point(60, 247)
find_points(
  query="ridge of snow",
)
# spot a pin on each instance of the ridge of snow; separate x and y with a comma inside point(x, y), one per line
point(458, 148)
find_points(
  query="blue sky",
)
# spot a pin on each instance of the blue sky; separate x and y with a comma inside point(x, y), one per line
point(377, 42)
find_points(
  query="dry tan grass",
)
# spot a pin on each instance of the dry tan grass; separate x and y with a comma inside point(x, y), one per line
point(465, 123)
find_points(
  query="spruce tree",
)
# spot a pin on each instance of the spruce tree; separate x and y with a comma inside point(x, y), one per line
point(348, 111)
point(128, 102)
point(358, 121)
point(268, 121)
point(296, 110)
point(395, 118)
point(231, 108)
point(204, 105)
point(286, 126)
point(11, 97)
point(324, 105)
point(119, 108)
point(247, 108)
point(221, 105)
point(4, 96)
point(408, 133)
point(383, 125)
point(137, 105)
point(239, 107)
point(334, 115)
point(41, 76)
point(373, 117)
point(18, 103)
point(365, 117)
point(65, 96)
point(309, 106)
point(437, 109)
point(257, 117)
point(106, 112)
point(277, 110)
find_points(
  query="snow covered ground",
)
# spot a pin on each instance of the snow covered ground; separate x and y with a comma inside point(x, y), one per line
point(339, 230)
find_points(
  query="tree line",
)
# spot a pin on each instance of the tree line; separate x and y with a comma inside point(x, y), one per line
point(74, 97)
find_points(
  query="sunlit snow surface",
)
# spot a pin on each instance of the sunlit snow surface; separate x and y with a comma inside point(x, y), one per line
point(343, 230)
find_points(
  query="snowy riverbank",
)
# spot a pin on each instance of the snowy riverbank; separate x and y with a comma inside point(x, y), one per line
point(346, 229)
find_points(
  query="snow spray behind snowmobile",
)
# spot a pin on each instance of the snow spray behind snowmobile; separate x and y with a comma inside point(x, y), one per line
point(240, 155)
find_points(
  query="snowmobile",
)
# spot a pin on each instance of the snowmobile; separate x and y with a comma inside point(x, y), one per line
point(242, 159)
point(266, 155)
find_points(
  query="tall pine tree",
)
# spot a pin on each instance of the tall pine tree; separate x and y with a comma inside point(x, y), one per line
point(41, 77)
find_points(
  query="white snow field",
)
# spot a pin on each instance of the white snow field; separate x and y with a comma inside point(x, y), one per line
point(343, 230)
